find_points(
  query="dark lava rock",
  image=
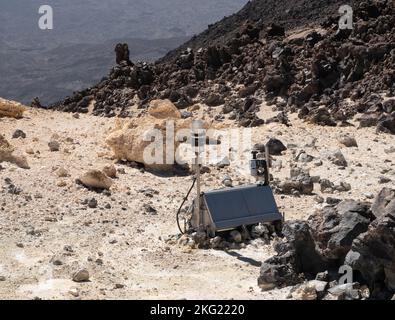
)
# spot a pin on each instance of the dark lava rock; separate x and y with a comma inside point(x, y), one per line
point(302, 183)
point(36, 103)
point(368, 120)
point(149, 209)
point(92, 203)
point(214, 100)
point(276, 147)
point(384, 203)
point(296, 257)
point(18, 134)
point(344, 234)
point(335, 227)
point(373, 255)
point(338, 159)
point(322, 117)
point(122, 53)
point(387, 124)
point(275, 31)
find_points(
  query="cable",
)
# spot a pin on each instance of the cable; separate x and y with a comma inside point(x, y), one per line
point(182, 204)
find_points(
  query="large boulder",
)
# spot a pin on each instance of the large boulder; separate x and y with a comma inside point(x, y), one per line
point(7, 154)
point(335, 227)
point(297, 258)
point(11, 109)
point(144, 140)
point(347, 233)
point(373, 255)
point(384, 203)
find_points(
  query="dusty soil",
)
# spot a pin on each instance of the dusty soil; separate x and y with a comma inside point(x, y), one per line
point(47, 233)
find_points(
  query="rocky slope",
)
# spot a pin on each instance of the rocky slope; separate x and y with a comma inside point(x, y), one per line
point(324, 74)
point(301, 13)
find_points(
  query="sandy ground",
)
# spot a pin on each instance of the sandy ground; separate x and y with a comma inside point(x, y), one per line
point(123, 247)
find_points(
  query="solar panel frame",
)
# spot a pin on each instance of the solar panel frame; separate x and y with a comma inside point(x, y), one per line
point(233, 207)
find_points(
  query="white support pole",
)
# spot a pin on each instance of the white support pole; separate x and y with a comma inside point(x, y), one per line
point(197, 134)
point(267, 157)
point(197, 204)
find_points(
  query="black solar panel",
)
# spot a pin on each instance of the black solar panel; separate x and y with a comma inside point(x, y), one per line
point(233, 207)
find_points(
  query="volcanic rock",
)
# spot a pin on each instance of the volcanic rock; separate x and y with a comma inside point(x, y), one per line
point(36, 103)
point(373, 254)
point(275, 31)
point(387, 124)
point(132, 140)
point(214, 100)
point(276, 147)
point(348, 141)
point(11, 109)
point(7, 154)
point(163, 109)
point(335, 227)
point(300, 181)
point(295, 256)
point(81, 276)
point(110, 171)
point(18, 134)
point(236, 236)
point(62, 172)
point(384, 203)
point(122, 53)
point(54, 145)
point(321, 116)
point(95, 179)
point(338, 159)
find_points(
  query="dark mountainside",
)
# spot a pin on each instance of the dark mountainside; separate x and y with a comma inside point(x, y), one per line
point(326, 75)
point(301, 13)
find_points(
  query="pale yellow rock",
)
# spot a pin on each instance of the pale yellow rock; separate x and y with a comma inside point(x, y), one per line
point(11, 109)
point(132, 140)
point(7, 154)
point(163, 109)
point(96, 179)
point(153, 139)
point(110, 171)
